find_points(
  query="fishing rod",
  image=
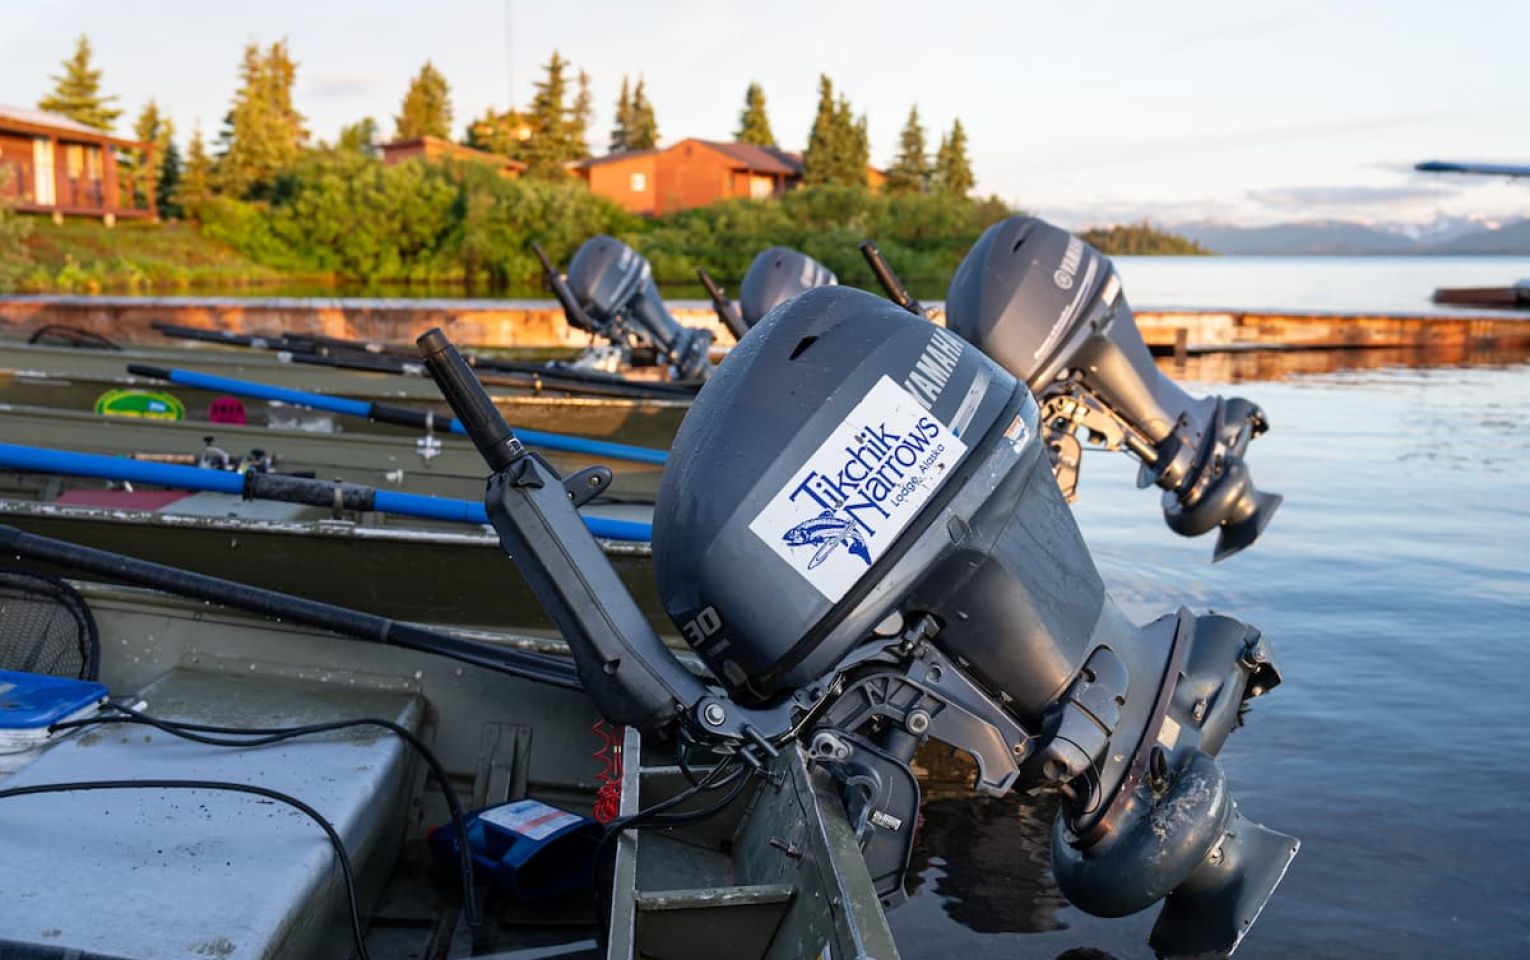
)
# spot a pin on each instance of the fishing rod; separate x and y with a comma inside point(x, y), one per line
point(384, 413)
point(378, 357)
point(541, 667)
point(254, 485)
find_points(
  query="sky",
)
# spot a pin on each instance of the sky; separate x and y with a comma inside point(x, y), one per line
point(1086, 113)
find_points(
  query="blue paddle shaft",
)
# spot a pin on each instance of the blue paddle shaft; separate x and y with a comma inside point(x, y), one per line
point(43, 460)
point(559, 442)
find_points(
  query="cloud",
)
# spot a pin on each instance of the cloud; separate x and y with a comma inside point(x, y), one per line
point(332, 86)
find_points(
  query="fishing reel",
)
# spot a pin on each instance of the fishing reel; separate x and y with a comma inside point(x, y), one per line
point(878, 555)
point(613, 285)
point(1049, 309)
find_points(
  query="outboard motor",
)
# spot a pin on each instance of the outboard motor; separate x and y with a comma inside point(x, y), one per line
point(776, 276)
point(1049, 308)
point(614, 285)
point(882, 557)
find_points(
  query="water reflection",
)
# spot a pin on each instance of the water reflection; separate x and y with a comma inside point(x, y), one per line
point(987, 858)
point(1251, 365)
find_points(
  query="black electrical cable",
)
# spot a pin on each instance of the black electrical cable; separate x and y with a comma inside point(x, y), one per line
point(294, 802)
point(263, 736)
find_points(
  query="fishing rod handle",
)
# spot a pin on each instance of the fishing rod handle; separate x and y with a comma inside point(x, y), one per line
point(469, 401)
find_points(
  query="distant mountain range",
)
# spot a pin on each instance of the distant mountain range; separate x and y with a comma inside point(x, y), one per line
point(1341, 238)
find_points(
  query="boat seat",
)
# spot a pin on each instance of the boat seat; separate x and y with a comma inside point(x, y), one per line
point(188, 873)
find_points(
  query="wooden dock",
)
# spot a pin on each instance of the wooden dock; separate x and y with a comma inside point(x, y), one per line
point(540, 324)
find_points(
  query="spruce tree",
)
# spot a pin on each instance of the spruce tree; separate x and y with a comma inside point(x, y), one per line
point(148, 166)
point(953, 171)
point(359, 137)
point(858, 158)
point(821, 159)
point(753, 124)
point(580, 118)
point(195, 186)
point(263, 133)
point(549, 147)
point(644, 132)
point(427, 108)
point(621, 131)
point(77, 93)
point(169, 183)
point(910, 171)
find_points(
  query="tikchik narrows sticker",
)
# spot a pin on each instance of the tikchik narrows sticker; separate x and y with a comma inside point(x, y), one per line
point(859, 489)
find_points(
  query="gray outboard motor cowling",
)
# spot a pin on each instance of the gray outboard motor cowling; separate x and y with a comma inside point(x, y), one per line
point(777, 275)
point(1049, 308)
point(859, 521)
point(614, 284)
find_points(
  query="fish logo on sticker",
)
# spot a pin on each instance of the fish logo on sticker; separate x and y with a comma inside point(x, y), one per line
point(858, 491)
point(826, 532)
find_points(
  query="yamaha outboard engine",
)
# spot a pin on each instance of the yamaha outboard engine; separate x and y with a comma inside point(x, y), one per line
point(776, 276)
point(880, 557)
point(613, 283)
point(1049, 308)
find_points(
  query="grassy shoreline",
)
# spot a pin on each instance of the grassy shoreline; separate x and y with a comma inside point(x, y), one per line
point(86, 256)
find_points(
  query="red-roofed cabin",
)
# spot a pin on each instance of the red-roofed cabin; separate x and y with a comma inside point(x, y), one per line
point(434, 148)
point(691, 173)
point(52, 164)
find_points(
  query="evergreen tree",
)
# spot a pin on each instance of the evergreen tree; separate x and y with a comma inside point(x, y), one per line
point(838, 150)
point(550, 145)
point(195, 186)
point(169, 183)
point(753, 124)
point(621, 132)
point(359, 137)
point(858, 158)
point(77, 93)
point(580, 118)
point(148, 166)
point(910, 171)
point(644, 132)
point(427, 109)
point(953, 171)
point(820, 161)
point(263, 133)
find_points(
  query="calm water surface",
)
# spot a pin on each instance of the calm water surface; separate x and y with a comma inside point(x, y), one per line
point(1393, 585)
point(1311, 283)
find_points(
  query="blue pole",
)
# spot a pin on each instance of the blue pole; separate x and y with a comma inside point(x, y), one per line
point(43, 460)
point(562, 443)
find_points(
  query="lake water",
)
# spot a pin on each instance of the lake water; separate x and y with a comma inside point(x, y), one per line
point(1312, 283)
point(1393, 586)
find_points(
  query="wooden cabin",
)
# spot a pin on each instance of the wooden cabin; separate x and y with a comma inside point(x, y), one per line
point(436, 149)
point(52, 164)
point(691, 173)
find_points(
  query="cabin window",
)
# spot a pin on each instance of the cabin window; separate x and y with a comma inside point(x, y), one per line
point(761, 188)
point(42, 168)
point(74, 160)
point(639, 182)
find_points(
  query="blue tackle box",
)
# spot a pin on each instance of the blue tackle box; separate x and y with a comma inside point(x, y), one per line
point(30, 703)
